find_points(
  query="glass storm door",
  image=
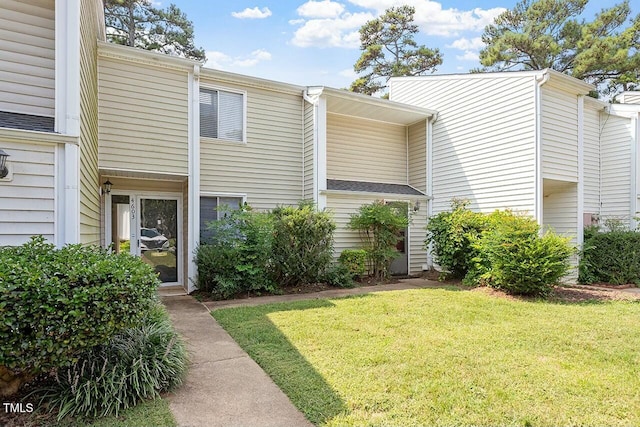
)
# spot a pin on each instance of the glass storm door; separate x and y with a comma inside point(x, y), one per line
point(158, 236)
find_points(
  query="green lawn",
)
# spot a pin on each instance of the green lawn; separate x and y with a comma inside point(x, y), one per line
point(448, 357)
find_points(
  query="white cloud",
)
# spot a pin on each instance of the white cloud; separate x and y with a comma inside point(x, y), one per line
point(255, 13)
point(474, 44)
point(348, 73)
point(320, 9)
point(468, 56)
point(436, 21)
point(222, 61)
point(337, 32)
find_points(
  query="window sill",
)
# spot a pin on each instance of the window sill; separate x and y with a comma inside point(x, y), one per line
point(223, 141)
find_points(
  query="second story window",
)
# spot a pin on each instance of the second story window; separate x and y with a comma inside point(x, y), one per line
point(222, 114)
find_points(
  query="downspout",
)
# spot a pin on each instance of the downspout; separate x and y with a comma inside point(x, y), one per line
point(541, 79)
point(633, 222)
point(312, 96)
point(580, 188)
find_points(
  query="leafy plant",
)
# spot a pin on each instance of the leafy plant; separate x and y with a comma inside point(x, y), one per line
point(56, 303)
point(512, 256)
point(302, 247)
point(338, 275)
point(138, 363)
point(611, 257)
point(355, 260)
point(237, 256)
point(379, 225)
point(451, 234)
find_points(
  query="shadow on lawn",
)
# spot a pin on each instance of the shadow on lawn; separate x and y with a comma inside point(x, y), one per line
point(272, 350)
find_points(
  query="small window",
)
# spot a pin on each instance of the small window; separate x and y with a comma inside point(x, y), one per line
point(221, 115)
point(213, 208)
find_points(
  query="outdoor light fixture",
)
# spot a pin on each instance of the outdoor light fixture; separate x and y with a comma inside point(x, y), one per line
point(3, 164)
point(416, 207)
point(107, 186)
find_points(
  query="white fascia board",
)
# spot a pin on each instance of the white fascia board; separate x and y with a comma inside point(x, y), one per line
point(386, 196)
point(193, 237)
point(145, 57)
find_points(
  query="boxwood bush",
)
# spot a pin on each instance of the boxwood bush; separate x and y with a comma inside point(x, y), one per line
point(55, 303)
point(355, 260)
point(610, 257)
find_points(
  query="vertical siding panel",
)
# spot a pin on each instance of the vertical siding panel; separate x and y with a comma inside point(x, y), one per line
point(418, 156)
point(616, 167)
point(308, 151)
point(143, 112)
point(483, 140)
point(27, 57)
point(365, 150)
point(559, 134)
point(89, 195)
point(268, 168)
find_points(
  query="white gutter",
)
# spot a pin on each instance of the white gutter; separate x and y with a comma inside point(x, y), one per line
point(540, 79)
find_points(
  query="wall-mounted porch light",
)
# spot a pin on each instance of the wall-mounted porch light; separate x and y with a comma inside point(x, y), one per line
point(4, 171)
point(416, 206)
point(106, 187)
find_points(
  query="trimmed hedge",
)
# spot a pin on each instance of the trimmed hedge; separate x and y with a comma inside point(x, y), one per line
point(611, 257)
point(55, 303)
point(355, 261)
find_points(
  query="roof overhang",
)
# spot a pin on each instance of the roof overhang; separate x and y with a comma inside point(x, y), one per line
point(368, 107)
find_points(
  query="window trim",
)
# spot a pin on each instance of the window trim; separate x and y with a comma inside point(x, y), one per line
point(242, 196)
point(244, 112)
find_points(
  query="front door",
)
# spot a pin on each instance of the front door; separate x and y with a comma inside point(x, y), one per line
point(149, 226)
point(400, 265)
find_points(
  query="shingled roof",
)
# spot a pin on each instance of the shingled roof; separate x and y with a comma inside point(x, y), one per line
point(372, 187)
point(26, 122)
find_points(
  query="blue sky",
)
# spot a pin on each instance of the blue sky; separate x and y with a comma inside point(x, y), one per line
point(316, 42)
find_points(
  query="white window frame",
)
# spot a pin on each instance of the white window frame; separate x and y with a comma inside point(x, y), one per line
point(244, 112)
point(242, 196)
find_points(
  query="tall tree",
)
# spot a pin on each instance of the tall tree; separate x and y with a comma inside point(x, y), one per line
point(550, 34)
point(389, 50)
point(138, 23)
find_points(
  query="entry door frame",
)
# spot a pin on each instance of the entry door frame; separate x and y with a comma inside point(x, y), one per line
point(134, 224)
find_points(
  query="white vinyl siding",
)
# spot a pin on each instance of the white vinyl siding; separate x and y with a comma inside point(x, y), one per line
point(28, 200)
point(591, 157)
point(616, 168)
point(268, 168)
point(342, 206)
point(89, 183)
point(483, 140)
point(559, 134)
point(221, 115)
point(143, 117)
point(366, 150)
point(560, 207)
point(309, 172)
point(27, 57)
point(630, 98)
point(418, 156)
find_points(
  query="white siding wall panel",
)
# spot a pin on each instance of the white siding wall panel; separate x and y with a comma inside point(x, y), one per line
point(89, 183)
point(365, 150)
point(616, 167)
point(27, 57)
point(143, 117)
point(631, 98)
point(591, 158)
point(483, 140)
point(28, 201)
point(268, 168)
point(418, 156)
point(308, 151)
point(559, 134)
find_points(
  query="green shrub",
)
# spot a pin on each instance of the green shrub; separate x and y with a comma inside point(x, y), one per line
point(451, 233)
point(237, 256)
point(56, 303)
point(610, 257)
point(339, 276)
point(380, 225)
point(138, 363)
point(355, 260)
point(302, 247)
point(512, 256)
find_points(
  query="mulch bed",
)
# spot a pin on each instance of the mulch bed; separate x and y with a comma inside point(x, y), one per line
point(570, 294)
